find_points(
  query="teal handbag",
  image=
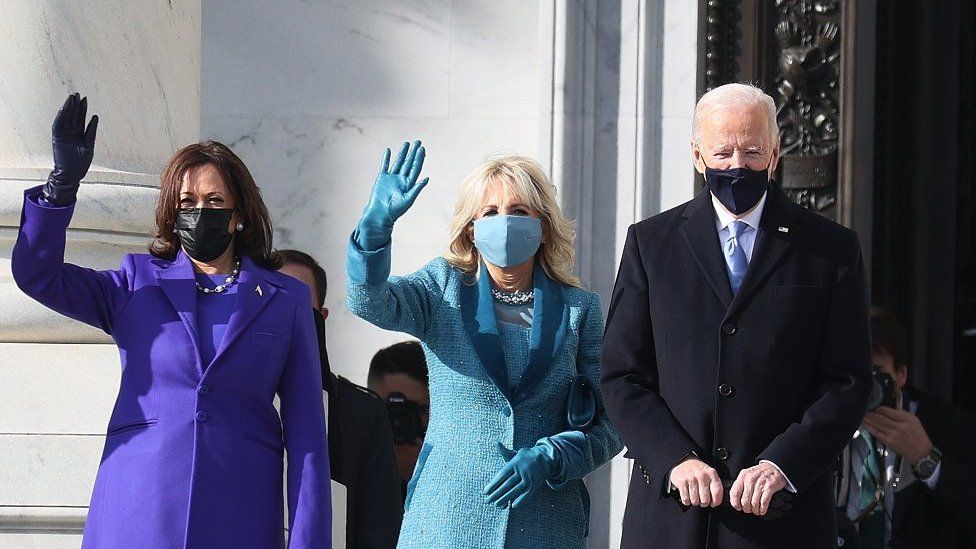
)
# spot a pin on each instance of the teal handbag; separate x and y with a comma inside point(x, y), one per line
point(581, 404)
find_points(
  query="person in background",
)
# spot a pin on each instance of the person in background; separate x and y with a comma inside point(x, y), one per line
point(208, 334)
point(360, 441)
point(398, 374)
point(906, 479)
point(512, 343)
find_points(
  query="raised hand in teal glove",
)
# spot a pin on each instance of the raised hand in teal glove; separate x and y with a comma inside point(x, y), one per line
point(395, 190)
point(525, 473)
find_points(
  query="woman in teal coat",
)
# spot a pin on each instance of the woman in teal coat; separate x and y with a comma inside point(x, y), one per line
point(512, 345)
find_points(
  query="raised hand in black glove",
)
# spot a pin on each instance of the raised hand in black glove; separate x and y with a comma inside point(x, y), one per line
point(73, 145)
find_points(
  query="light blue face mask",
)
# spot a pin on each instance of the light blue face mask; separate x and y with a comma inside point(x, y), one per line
point(507, 240)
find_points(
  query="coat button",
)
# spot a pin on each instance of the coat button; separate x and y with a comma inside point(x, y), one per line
point(645, 474)
point(722, 453)
point(728, 328)
point(203, 389)
point(507, 411)
point(725, 390)
point(202, 416)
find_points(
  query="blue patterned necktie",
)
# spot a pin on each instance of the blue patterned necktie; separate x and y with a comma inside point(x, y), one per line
point(735, 256)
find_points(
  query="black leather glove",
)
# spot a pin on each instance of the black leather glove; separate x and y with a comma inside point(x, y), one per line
point(73, 146)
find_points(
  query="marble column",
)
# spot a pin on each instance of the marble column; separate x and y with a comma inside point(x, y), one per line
point(139, 65)
point(617, 127)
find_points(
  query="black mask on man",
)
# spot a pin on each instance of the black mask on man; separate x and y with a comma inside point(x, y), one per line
point(323, 350)
point(738, 189)
point(203, 232)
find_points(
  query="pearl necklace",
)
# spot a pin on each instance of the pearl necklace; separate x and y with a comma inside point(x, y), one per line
point(228, 282)
point(518, 297)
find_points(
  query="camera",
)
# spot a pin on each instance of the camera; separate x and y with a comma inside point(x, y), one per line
point(883, 390)
point(405, 419)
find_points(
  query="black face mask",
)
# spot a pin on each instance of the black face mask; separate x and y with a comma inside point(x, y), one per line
point(203, 232)
point(738, 189)
point(323, 350)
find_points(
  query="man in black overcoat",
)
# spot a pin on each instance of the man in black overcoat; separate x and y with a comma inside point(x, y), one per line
point(736, 361)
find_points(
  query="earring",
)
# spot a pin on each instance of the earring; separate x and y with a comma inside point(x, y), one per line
point(240, 226)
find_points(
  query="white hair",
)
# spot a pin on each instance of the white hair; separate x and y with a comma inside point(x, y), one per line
point(735, 95)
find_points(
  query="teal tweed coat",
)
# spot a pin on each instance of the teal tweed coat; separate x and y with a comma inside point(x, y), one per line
point(474, 406)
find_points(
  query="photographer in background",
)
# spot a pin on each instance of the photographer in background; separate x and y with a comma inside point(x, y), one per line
point(907, 477)
point(360, 442)
point(398, 374)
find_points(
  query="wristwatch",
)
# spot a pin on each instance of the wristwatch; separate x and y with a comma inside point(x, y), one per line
point(925, 468)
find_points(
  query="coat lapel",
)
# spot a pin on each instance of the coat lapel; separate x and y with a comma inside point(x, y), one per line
point(478, 314)
point(776, 233)
point(549, 325)
point(179, 285)
point(702, 237)
point(254, 292)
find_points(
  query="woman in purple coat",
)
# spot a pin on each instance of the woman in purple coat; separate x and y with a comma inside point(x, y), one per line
point(208, 333)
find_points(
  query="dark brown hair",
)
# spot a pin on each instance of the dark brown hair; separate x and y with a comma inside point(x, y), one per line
point(296, 257)
point(406, 357)
point(889, 336)
point(254, 241)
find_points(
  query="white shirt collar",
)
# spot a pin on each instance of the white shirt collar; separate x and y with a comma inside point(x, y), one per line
point(725, 217)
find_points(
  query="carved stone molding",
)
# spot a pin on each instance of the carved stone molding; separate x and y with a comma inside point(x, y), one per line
point(807, 93)
point(722, 42)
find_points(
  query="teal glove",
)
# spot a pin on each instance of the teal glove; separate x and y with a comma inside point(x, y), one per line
point(524, 474)
point(394, 192)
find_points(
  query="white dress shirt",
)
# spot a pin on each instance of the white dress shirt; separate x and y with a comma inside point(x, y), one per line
point(724, 218)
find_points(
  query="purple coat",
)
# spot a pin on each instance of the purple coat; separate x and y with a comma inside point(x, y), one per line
point(193, 452)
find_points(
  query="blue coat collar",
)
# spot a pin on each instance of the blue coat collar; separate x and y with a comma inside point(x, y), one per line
point(549, 325)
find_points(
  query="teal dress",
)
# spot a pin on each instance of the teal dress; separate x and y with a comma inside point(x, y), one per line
point(490, 383)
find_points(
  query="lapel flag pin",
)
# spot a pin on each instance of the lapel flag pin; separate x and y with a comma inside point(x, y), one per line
point(784, 229)
point(258, 290)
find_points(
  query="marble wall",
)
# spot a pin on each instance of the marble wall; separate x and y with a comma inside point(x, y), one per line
point(619, 124)
point(139, 65)
point(311, 93)
point(140, 68)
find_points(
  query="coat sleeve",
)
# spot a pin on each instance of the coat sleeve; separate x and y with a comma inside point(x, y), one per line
point(397, 303)
point(303, 426)
point(810, 447)
point(953, 430)
point(581, 452)
point(90, 296)
point(629, 374)
point(379, 504)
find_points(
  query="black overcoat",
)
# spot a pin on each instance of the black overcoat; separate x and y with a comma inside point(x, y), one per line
point(363, 460)
point(942, 517)
point(779, 372)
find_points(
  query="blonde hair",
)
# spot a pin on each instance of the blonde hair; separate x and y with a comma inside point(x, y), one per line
point(525, 179)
